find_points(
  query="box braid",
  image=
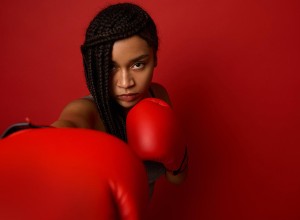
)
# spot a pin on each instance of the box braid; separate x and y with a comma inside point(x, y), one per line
point(113, 23)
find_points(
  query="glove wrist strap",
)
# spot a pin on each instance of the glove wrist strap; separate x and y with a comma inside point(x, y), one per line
point(183, 165)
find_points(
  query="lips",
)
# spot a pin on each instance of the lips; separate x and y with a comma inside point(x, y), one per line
point(128, 97)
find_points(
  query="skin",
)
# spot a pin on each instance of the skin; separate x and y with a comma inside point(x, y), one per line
point(133, 66)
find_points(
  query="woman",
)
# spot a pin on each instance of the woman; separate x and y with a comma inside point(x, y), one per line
point(119, 56)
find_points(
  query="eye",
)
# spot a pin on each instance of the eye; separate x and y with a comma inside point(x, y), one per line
point(138, 66)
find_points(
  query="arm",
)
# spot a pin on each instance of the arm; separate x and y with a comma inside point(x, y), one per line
point(81, 113)
point(161, 93)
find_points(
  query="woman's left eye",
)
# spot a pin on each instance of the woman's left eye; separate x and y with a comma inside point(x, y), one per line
point(138, 66)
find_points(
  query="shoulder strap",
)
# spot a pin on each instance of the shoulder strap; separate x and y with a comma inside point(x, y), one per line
point(151, 92)
point(90, 97)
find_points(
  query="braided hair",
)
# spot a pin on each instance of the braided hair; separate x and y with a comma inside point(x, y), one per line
point(113, 23)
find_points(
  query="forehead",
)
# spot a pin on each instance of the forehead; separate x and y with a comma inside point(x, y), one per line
point(130, 48)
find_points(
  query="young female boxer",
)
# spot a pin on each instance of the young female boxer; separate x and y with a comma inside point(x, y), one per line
point(119, 56)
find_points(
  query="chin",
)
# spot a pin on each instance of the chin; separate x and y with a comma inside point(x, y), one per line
point(127, 105)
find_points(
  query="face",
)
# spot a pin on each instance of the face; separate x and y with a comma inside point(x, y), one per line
point(133, 65)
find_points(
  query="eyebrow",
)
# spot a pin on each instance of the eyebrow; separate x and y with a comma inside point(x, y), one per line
point(143, 56)
point(139, 58)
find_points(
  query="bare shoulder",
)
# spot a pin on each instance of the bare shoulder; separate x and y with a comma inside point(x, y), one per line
point(160, 92)
point(80, 113)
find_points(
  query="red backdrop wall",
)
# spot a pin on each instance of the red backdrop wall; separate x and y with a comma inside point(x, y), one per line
point(232, 71)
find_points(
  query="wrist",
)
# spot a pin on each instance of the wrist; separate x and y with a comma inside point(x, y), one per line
point(176, 179)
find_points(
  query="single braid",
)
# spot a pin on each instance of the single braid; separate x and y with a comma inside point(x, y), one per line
point(114, 23)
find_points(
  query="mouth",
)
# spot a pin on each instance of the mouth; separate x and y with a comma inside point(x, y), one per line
point(129, 97)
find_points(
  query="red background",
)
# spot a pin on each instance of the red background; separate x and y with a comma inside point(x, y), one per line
point(232, 71)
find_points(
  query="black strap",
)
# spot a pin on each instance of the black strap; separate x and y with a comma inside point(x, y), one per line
point(183, 165)
point(18, 127)
point(151, 92)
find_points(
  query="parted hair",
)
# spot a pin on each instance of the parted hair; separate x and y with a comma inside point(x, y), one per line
point(115, 22)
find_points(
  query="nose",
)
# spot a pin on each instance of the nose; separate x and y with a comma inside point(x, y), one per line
point(125, 79)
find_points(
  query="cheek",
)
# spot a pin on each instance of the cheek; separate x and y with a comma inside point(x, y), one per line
point(146, 79)
point(149, 75)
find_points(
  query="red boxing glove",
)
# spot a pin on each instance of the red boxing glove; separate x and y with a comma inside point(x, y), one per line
point(69, 174)
point(154, 134)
